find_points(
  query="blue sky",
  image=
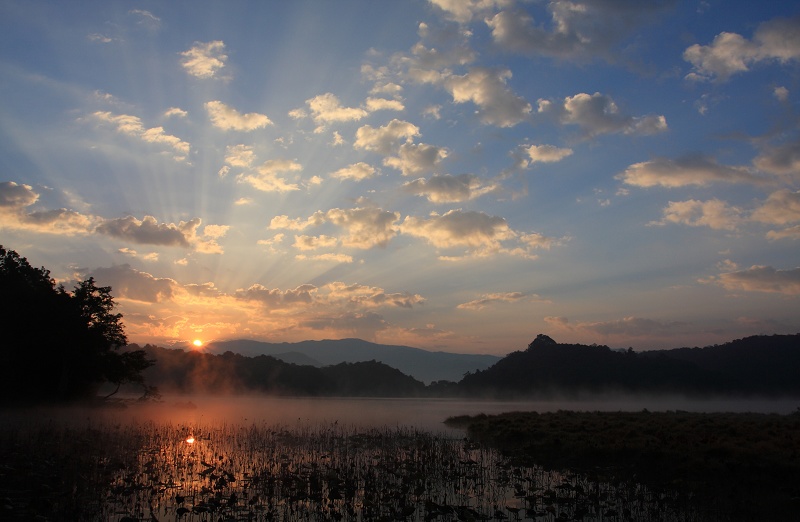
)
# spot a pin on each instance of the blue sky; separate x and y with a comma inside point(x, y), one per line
point(448, 174)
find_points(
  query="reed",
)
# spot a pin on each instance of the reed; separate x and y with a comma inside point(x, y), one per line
point(727, 466)
point(126, 472)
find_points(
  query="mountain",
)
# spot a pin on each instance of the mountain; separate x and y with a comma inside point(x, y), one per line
point(297, 358)
point(754, 363)
point(758, 365)
point(420, 364)
point(767, 365)
point(179, 371)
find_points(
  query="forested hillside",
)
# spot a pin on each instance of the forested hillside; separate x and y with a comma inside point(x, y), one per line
point(177, 371)
point(761, 365)
point(756, 365)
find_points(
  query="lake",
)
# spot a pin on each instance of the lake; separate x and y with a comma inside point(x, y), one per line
point(426, 414)
point(293, 458)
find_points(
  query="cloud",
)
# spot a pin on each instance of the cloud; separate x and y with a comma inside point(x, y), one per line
point(576, 30)
point(490, 299)
point(14, 200)
point(546, 153)
point(332, 296)
point(370, 296)
point(428, 65)
point(730, 53)
point(713, 213)
point(146, 18)
point(783, 159)
point(786, 233)
point(416, 158)
point(361, 325)
point(382, 104)
point(239, 156)
point(303, 242)
point(448, 188)
point(781, 208)
point(433, 111)
point(536, 240)
point(267, 177)
point(488, 89)
point(633, 327)
point(689, 170)
point(133, 126)
point(284, 222)
point(337, 139)
point(365, 227)
point(598, 114)
point(203, 290)
point(464, 11)
point(215, 231)
point(204, 60)
point(98, 37)
point(383, 139)
point(228, 118)
point(175, 111)
point(301, 295)
point(627, 327)
point(475, 230)
point(149, 231)
point(326, 108)
point(781, 93)
point(152, 256)
point(356, 172)
point(761, 279)
point(327, 258)
point(129, 283)
point(60, 221)
point(13, 195)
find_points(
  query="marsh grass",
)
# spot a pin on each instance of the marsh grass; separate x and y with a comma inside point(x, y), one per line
point(728, 466)
point(126, 472)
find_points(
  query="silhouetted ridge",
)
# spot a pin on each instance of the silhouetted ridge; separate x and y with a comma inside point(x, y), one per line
point(178, 371)
point(763, 365)
point(541, 340)
point(423, 365)
point(756, 365)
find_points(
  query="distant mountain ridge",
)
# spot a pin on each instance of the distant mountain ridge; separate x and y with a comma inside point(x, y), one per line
point(423, 365)
point(765, 365)
point(179, 371)
point(753, 366)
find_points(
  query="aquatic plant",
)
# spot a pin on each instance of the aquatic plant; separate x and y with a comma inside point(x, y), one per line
point(254, 471)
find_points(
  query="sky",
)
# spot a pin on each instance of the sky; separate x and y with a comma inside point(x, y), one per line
point(454, 175)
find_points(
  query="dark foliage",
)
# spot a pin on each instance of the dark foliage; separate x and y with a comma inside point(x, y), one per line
point(371, 378)
point(60, 346)
point(761, 363)
point(195, 372)
point(732, 466)
point(755, 365)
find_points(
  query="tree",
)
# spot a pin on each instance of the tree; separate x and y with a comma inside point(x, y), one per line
point(65, 345)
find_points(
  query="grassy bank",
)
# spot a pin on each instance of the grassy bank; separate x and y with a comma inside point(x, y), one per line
point(736, 466)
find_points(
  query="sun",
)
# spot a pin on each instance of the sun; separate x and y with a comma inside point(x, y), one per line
point(198, 343)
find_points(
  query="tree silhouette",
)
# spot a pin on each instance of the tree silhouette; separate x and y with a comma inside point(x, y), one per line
point(59, 346)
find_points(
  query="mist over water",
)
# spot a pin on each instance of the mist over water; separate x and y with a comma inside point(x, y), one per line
point(425, 414)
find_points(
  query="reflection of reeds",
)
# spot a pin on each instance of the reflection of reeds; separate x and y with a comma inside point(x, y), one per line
point(230, 472)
